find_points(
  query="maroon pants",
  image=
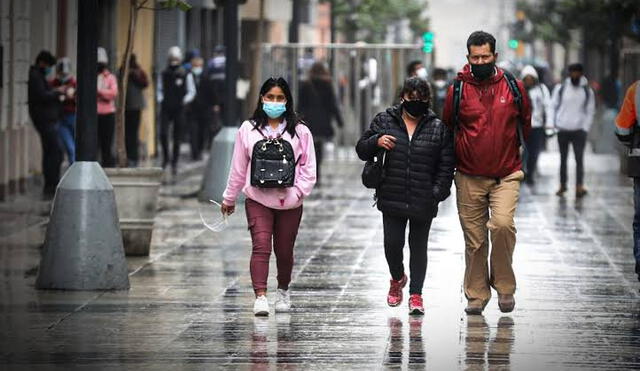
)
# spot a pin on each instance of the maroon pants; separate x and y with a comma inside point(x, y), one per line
point(268, 224)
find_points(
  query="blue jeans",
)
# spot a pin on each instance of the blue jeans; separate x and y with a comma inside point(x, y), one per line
point(66, 130)
point(636, 224)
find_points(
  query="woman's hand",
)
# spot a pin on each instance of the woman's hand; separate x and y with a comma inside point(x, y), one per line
point(226, 209)
point(387, 142)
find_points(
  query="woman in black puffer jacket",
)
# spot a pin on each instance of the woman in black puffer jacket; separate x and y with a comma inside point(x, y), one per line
point(419, 166)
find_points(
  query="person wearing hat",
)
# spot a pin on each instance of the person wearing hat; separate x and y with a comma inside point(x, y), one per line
point(107, 94)
point(540, 118)
point(66, 83)
point(176, 89)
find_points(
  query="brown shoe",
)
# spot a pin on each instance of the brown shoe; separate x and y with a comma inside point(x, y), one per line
point(475, 306)
point(561, 191)
point(506, 302)
point(581, 191)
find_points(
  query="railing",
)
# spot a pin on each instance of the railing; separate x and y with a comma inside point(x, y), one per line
point(366, 76)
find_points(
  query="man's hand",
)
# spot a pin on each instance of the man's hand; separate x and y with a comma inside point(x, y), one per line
point(387, 142)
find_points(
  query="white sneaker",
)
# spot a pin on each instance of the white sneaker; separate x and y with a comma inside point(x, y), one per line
point(283, 301)
point(261, 306)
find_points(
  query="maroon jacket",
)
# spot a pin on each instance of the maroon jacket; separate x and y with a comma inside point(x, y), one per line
point(486, 142)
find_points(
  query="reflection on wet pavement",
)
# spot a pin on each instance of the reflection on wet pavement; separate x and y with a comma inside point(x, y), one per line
point(189, 307)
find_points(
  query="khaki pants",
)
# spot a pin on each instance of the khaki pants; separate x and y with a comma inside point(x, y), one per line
point(486, 208)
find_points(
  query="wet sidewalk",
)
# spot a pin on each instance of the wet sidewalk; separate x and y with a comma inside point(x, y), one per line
point(189, 306)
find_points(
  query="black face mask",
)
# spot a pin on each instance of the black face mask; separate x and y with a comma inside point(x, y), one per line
point(482, 71)
point(415, 108)
point(575, 81)
point(101, 67)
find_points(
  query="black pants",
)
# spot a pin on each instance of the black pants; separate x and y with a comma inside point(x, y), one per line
point(106, 127)
point(578, 139)
point(535, 143)
point(394, 238)
point(132, 126)
point(318, 145)
point(174, 117)
point(200, 124)
point(51, 154)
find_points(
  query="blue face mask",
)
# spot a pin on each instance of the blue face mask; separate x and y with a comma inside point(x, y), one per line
point(47, 70)
point(274, 109)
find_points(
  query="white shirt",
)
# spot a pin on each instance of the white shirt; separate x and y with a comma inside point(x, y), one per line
point(541, 108)
point(570, 114)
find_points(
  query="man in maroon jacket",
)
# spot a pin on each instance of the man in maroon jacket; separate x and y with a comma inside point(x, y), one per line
point(489, 170)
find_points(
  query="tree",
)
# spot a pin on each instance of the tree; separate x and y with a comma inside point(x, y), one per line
point(371, 17)
point(123, 78)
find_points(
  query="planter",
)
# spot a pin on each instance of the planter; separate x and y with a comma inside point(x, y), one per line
point(136, 191)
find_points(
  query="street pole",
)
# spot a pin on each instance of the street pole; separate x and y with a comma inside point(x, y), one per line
point(83, 244)
point(219, 164)
point(295, 21)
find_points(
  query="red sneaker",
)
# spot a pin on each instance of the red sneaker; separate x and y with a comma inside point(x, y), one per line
point(415, 304)
point(394, 298)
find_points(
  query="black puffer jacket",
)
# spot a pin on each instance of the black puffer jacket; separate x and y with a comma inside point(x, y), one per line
point(418, 173)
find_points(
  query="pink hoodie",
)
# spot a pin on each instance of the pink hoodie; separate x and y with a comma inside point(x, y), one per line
point(275, 198)
point(107, 92)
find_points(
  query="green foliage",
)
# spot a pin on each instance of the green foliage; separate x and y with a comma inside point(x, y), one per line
point(371, 17)
point(179, 4)
point(552, 20)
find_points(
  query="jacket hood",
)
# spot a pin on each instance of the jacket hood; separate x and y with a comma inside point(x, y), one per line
point(466, 76)
point(528, 70)
point(583, 81)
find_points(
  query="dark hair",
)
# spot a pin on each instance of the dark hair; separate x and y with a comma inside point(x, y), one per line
point(319, 71)
point(46, 57)
point(576, 67)
point(133, 61)
point(412, 66)
point(260, 118)
point(417, 87)
point(479, 38)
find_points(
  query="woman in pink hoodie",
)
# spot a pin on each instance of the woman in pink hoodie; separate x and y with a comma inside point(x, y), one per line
point(273, 214)
point(107, 94)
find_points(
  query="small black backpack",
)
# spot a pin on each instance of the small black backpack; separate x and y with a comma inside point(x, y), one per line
point(273, 163)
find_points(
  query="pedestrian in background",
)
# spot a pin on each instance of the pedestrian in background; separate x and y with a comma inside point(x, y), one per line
point(200, 112)
point(176, 89)
point(138, 81)
point(541, 112)
point(273, 214)
point(574, 106)
point(107, 94)
point(419, 164)
point(488, 170)
point(44, 110)
point(66, 84)
point(628, 132)
point(318, 106)
point(440, 86)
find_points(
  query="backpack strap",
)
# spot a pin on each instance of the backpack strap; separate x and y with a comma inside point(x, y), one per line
point(517, 98)
point(457, 96)
point(586, 97)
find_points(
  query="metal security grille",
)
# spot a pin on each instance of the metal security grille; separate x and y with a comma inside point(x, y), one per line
point(366, 77)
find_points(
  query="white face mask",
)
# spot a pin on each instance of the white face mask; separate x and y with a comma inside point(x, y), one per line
point(440, 84)
point(422, 73)
point(197, 70)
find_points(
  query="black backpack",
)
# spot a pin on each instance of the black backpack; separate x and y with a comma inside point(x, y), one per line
point(517, 98)
point(273, 163)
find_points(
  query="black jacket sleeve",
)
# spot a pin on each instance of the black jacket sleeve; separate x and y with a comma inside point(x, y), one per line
point(39, 90)
point(446, 165)
point(367, 146)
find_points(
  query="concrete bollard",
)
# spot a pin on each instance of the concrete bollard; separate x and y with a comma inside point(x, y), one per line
point(217, 171)
point(83, 244)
